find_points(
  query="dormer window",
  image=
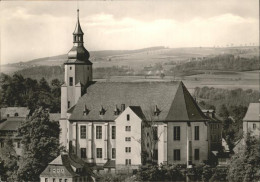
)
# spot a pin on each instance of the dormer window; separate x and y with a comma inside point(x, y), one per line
point(16, 114)
point(156, 111)
point(102, 111)
point(116, 111)
point(86, 111)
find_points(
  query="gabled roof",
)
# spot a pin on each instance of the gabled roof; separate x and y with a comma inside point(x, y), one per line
point(172, 99)
point(252, 113)
point(11, 124)
point(67, 161)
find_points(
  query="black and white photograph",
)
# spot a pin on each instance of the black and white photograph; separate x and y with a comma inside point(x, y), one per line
point(129, 91)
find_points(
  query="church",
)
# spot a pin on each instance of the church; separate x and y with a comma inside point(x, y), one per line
point(115, 125)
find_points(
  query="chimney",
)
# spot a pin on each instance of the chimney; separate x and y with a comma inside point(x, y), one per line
point(122, 107)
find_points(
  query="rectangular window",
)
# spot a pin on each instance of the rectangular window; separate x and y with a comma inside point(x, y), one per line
point(155, 154)
point(197, 154)
point(128, 139)
point(177, 132)
point(98, 132)
point(71, 81)
point(60, 180)
point(99, 152)
point(53, 180)
point(46, 179)
point(68, 104)
point(128, 162)
point(113, 153)
point(83, 153)
point(177, 154)
point(197, 133)
point(128, 149)
point(83, 134)
point(65, 180)
point(155, 133)
point(70, 67)
point(254, 126)
point(113, 132)
point(18, 144)
point(128, 117)
point(128, 128)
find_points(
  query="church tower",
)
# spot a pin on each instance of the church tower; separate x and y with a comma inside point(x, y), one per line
point(78, 72)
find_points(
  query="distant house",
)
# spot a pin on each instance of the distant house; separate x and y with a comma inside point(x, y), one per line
point(66, 168)
point(214, 130)
point(11, 119)
point(251, 121)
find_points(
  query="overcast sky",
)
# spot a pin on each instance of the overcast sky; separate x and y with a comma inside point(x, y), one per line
point(34, 29)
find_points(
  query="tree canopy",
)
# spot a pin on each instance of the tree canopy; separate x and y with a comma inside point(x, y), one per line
point(245, 165)
point(40, 139)
point(26, 92)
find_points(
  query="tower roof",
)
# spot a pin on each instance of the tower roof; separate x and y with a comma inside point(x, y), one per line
point(78, 54)
point(78, 30)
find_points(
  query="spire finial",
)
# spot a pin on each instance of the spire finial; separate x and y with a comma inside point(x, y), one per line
point(78, 12)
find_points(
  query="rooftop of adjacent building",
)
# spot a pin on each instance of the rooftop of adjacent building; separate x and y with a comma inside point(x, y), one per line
point(253, 112)
point(73, 166)
point(172, 101)
point(12, 117)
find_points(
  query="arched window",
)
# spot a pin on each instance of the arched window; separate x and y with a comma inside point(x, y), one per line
point(16, 114)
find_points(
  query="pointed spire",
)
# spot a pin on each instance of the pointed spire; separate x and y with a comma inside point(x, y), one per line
point(78, 30)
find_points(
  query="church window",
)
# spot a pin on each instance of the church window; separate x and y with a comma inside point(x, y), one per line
point(83, 132)
point(71, 81)
point(113, 153)
point(83, 153)
point(128, 128)
point(70, 68)
point(99, 132)
point(99, 152)
point(177, 154)
point(113, 132)
point(74, 38)
point(197, 154)
point(177, 132)
point(197, 133)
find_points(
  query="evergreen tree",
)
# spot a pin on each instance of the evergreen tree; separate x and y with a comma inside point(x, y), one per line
point(40, 139)
point(245, 165)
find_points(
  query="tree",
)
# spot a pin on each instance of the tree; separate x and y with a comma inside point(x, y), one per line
point(40, 139)
point(9, 161)
point(245, 165)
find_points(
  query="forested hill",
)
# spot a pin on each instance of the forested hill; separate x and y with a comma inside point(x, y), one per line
point(47, 72)
point(225, 62)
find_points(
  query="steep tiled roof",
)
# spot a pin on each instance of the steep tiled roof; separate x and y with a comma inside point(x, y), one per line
point(172, 99)
point(252, 113)
point(11, 124)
